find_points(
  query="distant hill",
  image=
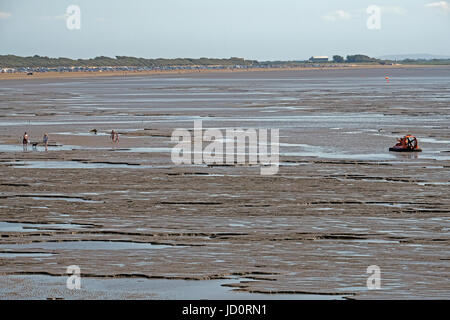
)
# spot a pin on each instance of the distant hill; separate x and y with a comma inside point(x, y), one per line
point(415, 56)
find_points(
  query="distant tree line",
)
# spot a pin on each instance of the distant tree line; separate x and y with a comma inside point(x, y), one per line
point(12, 61)
point(357, 58)
point(425, 61)
point(360, 58)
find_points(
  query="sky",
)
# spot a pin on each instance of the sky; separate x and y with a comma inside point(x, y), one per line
point(251, 29)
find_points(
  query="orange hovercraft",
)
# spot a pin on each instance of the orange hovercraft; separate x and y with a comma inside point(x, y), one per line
point(408, 143)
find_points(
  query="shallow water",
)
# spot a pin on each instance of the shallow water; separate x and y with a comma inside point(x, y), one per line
point(41, 287)
point(28, 227)
point(24, 255)
point(75, 165)
point(19, 148)
point(147, 149)
point(65, 199)
point(87, 245)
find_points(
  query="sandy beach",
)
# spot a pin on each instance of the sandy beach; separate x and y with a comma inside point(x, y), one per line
point(62, 75)
point(127, 215)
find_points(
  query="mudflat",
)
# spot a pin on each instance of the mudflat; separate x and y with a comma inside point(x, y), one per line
point(340, 202)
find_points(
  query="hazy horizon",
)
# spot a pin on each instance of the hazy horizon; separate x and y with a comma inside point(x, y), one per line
point(257, 30)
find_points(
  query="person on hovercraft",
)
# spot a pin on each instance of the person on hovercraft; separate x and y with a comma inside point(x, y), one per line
point(411, 142)
point(407, 142)
point(401, 143)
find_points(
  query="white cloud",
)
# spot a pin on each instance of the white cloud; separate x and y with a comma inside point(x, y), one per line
point(442, 5)
point(394, 10)
point(59, 17)
point(4, 15)
point(337, 15)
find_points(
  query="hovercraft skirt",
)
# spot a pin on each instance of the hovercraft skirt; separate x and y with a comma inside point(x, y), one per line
point(404, 150)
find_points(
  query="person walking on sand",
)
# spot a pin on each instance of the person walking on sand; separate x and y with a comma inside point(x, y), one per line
point(25, 141)
point(45, 141)
point(113, 135)
point(116, 139)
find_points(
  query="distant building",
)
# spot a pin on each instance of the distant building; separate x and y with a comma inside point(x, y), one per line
point(8, 70)
point(319, 59)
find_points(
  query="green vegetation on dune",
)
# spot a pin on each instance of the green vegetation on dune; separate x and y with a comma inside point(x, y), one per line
point(427, 62)
point(12, 61)
point(360, 58)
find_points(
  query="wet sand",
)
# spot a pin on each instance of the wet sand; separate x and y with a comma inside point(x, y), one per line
point(340, 202)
